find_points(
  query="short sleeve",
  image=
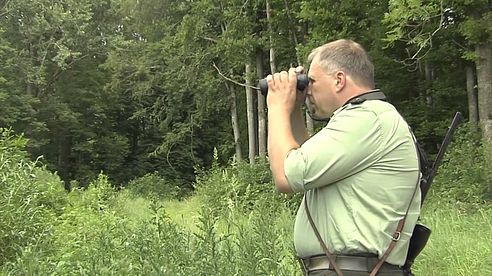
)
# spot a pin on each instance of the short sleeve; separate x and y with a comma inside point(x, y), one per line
point(295, 164)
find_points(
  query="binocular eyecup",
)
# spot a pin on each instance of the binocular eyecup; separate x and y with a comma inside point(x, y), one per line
point(302, 83)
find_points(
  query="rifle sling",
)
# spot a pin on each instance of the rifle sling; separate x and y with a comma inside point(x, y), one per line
point(401, 223)
point(321, 242)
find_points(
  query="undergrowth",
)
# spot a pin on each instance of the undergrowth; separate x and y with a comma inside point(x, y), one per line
point(234, 224)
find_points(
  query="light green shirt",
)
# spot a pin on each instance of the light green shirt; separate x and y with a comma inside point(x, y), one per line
point(359, 173)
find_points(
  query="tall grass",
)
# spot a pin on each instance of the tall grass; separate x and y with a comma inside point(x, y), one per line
point(184, 212)
point(460, 244)
point(235, 223)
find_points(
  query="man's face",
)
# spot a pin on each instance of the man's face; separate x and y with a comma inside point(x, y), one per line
point(322, 93)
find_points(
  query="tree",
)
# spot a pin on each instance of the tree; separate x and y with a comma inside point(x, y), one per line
point(250, 113)
point(235, 122)
point(469, 21)
point(52, 40)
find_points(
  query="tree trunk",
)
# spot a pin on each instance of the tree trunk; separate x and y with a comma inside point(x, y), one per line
point(250, 112)
point(472, 95)
point(429, 78)
point(273, 67)
point(234, 117)
point(484, 81)
point(64, 150)
point(235, 122)
point(292, 30)
point(262, 125)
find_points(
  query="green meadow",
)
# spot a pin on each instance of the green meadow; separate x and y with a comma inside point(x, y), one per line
point(233, 223)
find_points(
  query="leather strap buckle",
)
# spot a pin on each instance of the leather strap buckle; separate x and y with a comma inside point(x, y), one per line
point(396, 236)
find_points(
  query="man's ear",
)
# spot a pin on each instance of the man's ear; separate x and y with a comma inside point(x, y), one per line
point(341, 80)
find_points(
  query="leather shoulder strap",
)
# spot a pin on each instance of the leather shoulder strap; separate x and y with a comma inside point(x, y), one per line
point(401, 223)
point(320, 240)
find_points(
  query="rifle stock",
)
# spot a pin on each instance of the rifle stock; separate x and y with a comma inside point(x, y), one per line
point(420, 236)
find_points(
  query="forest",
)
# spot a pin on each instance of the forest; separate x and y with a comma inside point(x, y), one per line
point(133, 134)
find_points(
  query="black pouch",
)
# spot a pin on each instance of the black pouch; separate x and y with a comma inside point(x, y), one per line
point(420, 236)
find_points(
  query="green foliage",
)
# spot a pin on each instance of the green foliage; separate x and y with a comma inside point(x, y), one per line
point(94, 197)
point(429, 131)
point(463, 177)
point(401, 12)
point(266, 250)
point(98, 230)
point(153, 185)
point(30, 198)
point(460, 243)
point(128, 88)
point(423, 25)
point(240, 185)
point(92, 237)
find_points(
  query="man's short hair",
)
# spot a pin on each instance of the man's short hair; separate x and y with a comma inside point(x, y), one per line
point(348, 56)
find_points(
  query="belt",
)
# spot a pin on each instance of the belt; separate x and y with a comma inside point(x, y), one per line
point(345, 262)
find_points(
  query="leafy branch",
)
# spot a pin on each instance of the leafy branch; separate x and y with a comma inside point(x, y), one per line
point(233, 81)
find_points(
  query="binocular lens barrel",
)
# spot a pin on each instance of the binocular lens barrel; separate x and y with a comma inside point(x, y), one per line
point(302, 83)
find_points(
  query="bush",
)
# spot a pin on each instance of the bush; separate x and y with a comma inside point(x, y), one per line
point(241, 185)
point(98, 241)
point(30, 198)
point(153, 185)
point(244, 227)
point(464, 176)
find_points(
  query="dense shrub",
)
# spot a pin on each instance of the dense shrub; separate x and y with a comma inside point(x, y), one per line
point(258, 242)
point(30, 198)
point(241, 185)
point(153, 185)
point(100, 241)
point(464, 175)
point(241, 225)
point(92, 238)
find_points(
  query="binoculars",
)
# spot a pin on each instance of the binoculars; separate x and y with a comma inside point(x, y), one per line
point(302, 83)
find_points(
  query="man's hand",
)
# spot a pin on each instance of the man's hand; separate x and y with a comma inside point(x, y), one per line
point(283, 102)
point(282, 91)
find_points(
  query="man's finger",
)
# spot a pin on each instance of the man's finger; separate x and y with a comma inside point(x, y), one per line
point(284, 75)
point(299, 69)
point(292, 74)
point(277, 76)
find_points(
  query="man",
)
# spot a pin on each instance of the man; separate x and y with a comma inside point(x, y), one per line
point(359, 173)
